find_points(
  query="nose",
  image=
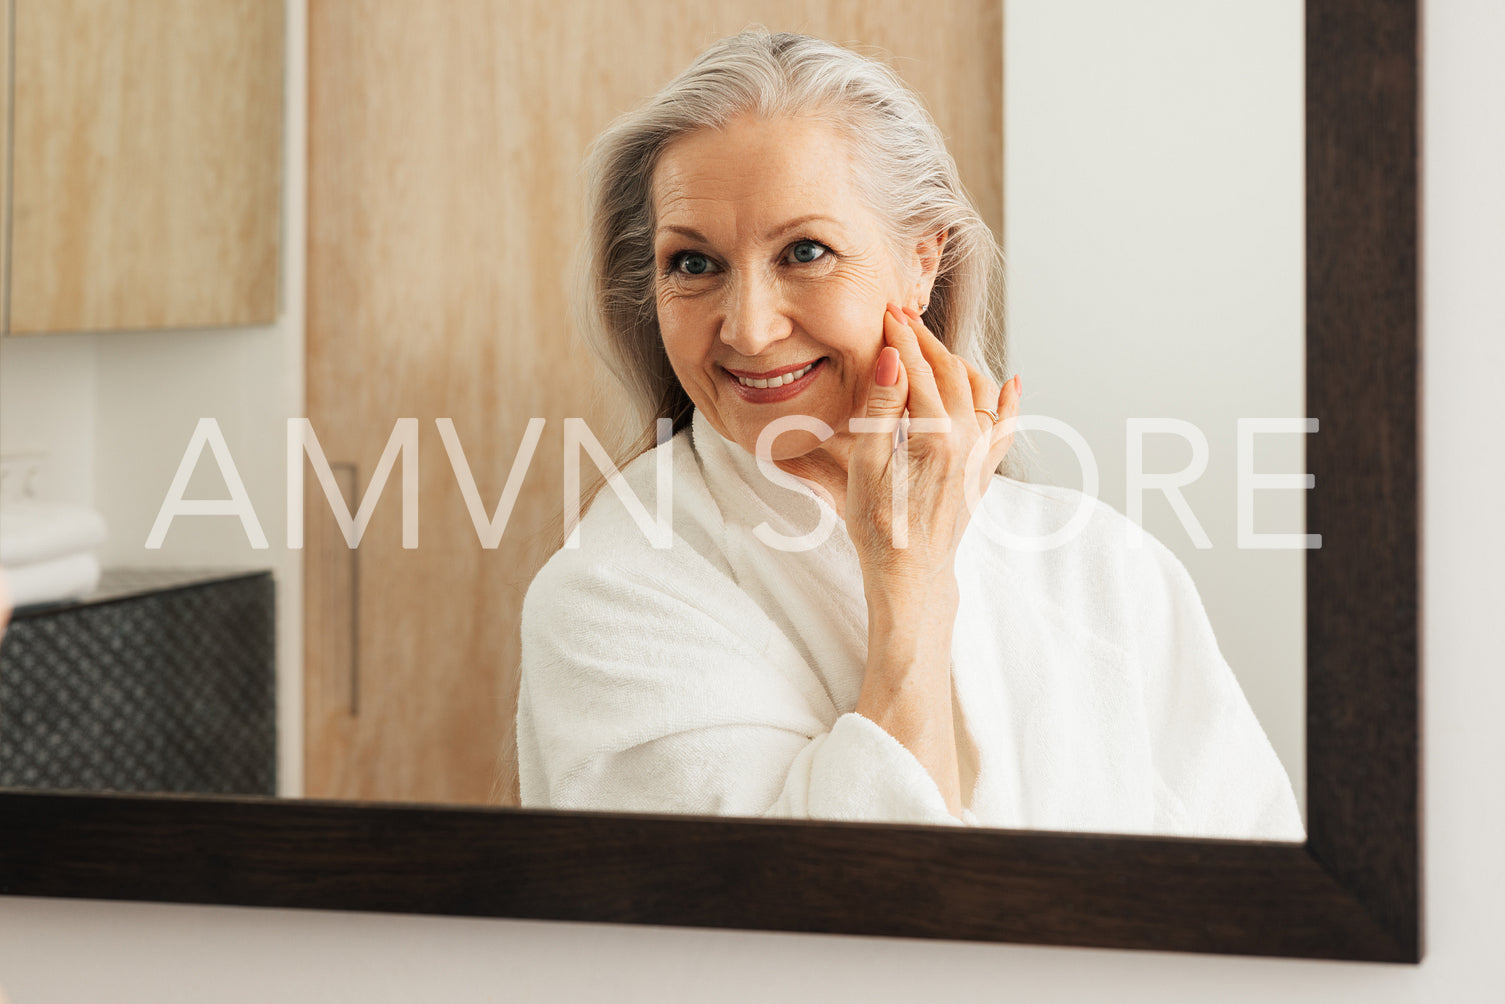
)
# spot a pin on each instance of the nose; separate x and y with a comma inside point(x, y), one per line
point(755, 318)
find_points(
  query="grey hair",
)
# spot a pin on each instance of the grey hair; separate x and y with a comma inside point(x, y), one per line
point(910, 181)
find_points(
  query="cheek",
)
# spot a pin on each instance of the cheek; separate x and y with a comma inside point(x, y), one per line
point(685, 342)
point(850, 306)
point(851, 326)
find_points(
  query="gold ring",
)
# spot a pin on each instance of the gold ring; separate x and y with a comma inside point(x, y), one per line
point(991, 414)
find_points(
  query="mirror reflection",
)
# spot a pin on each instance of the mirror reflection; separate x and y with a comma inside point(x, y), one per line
point(442, 408)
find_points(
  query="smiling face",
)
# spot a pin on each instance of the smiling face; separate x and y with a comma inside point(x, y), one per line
point(772, 278)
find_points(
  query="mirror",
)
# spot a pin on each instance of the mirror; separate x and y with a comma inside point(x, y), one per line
point(1354, 884)
point(1160, 169)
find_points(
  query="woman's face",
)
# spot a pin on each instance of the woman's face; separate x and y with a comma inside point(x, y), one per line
point(771, 270)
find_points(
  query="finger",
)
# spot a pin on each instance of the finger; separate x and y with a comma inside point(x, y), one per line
point(984, 396)
point(925, 400)
point(949, 369)
point(1008, 411)
point(889, 393)
point(887, 397)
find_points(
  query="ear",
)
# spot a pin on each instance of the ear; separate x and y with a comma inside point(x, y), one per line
point(928, 252)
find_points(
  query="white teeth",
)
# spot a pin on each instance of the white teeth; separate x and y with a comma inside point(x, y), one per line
point(778, 381)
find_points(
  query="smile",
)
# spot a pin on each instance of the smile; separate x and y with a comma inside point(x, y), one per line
point(775, 381)
point(774, 386)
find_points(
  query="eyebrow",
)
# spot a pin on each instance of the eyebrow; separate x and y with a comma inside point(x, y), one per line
point(782, 228)
point(799, 222)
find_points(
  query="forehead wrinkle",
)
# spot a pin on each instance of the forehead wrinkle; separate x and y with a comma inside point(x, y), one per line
point(701, 215)
point(709, 191)
point(770, 217)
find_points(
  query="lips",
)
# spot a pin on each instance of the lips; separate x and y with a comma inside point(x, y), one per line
point(769, 386)
point(773, 378)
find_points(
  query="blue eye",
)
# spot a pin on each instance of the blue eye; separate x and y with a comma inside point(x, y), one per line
point(693, 263)
point(805, 252)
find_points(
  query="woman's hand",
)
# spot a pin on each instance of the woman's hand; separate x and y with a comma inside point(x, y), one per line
point(906, 509)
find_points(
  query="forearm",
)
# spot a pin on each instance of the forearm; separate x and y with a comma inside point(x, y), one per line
point(906, 688)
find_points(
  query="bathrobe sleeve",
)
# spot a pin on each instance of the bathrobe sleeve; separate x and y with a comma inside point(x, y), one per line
point(657, 686)
point(1216, 774)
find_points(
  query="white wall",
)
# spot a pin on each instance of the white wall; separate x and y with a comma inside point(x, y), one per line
point(1154, 199)
point(47, 413)
point(58, 951)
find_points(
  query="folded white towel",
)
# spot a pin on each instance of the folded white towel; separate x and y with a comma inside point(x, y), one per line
point(52, 581)
point(33, 531)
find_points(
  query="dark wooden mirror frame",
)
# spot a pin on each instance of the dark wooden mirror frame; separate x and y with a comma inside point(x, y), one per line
point(1352, 891)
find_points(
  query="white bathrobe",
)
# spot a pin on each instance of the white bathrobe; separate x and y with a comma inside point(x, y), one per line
point(719, 675)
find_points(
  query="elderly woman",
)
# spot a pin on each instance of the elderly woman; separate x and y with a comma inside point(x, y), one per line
point(856, 616)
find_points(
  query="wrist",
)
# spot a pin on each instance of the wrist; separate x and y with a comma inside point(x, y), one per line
point(901, 592)
point(917, 617)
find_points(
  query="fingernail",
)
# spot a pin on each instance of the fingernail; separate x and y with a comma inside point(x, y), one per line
point(1018, 383)
point(887, 373)
point(912, 312)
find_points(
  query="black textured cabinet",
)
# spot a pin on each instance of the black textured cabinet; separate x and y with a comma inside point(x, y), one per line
point(160, 681)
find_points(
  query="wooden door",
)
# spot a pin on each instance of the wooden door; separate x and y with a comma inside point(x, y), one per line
point(444, 207)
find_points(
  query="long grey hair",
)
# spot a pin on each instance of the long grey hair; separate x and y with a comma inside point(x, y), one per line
point(910, 181)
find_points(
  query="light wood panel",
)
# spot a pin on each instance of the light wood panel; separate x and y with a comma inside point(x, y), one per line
point(5, 104)
point(147, 170)
point(444, 206)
